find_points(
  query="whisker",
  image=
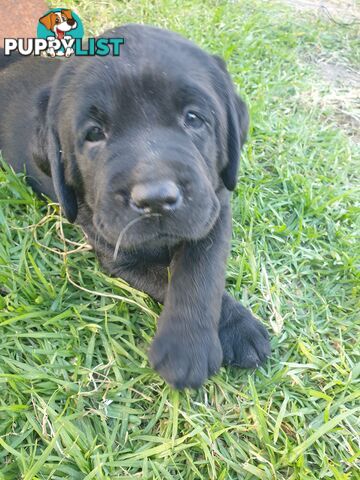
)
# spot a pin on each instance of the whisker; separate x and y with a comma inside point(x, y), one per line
point(126, 228)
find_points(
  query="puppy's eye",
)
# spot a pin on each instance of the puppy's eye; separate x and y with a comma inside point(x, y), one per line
point(193, 120)
point(95, 134)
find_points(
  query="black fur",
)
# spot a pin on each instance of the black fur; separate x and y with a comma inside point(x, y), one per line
point(165, 118)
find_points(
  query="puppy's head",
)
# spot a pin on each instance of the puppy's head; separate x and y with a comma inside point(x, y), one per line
point(55, 21)
point(149, 141)
point(66, 21)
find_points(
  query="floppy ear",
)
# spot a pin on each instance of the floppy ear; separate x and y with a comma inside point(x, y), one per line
point(238, 124)
point(65, 193)
point(67, 13)
point(48, 156)
point(48, 20)
point(237, 129)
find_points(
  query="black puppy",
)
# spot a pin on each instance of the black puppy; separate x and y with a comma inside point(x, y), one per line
point(142, 150)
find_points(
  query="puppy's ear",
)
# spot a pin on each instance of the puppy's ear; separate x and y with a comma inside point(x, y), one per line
point(48, 156)
point(48, 20)
point(238, 124)
point(65, 193)
point(237, 128)
point(67, 13)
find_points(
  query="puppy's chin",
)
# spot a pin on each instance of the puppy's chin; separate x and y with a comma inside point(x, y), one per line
point(153, 230)
point(136, 241)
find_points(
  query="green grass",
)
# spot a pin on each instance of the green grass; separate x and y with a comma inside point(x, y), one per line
point(78, 398)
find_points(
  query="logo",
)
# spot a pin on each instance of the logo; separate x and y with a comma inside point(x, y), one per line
point(60, 34)
point(59, 27)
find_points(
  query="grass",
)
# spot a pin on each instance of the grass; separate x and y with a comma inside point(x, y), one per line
point(78, 398)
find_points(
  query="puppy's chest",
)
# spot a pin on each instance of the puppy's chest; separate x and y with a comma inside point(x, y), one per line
point(134, 261)
point(153, 257)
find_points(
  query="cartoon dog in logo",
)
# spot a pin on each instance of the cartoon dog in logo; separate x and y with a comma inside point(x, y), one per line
point(59, 23)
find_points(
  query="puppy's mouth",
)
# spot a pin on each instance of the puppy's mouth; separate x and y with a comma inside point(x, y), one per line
point(60, 33)
point(154, 230)
point(127, 238)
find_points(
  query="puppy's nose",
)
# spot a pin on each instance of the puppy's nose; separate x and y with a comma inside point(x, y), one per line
point(158, 197)
point(70, 21)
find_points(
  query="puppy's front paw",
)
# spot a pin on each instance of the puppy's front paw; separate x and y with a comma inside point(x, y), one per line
point(244, 340)
point(184, 358)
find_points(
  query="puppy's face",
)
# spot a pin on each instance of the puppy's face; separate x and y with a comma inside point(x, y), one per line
point(59, 22)
point(146, 150)
point(145, 138)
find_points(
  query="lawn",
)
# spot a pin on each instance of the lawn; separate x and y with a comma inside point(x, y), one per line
point(78, 397)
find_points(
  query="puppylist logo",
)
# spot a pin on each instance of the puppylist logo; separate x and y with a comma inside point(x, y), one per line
point(60, 27)
point(60, 34)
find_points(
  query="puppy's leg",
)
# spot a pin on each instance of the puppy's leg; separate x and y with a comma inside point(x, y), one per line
point(186, 349)
point(69, 50)
point(244, 340)
point(50, 51)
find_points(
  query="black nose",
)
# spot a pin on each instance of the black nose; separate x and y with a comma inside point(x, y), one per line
point(158, 197)
point(70, 21)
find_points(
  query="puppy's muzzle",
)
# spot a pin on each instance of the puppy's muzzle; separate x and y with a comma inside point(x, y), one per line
point(155, 197)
